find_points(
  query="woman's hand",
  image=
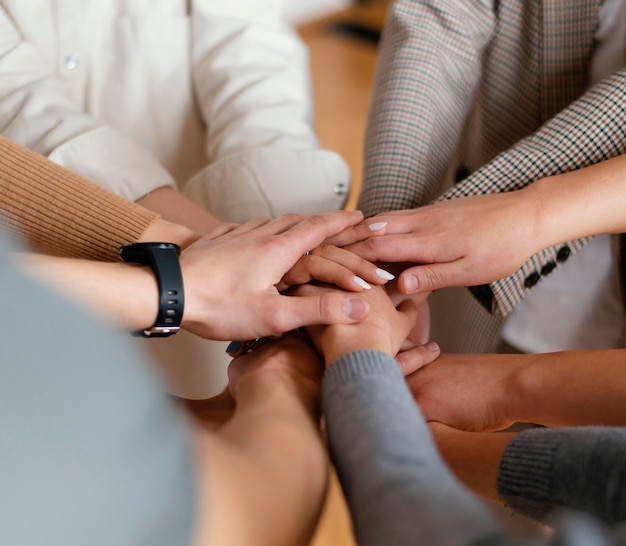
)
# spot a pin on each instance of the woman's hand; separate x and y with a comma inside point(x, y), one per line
point(232, 277)
point(291, 362)
point(461, 242)
point(468, 391)
point(385, 328)
point(336, 266)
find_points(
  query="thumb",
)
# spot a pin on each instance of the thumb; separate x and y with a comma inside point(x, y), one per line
point(329, 308)
point(412, 360)
point(426, 278)
point(409, 309)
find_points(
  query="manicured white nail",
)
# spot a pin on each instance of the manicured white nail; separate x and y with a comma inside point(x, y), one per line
point(377, 226)
point(361, 282)
point(384, 274)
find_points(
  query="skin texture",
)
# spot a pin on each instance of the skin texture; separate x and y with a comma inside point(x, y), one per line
point(232, 277)
point(466, 241)
point(174, 207)
point(467, 396)
point(491, 392)
point(242, 456)
point(386, 328)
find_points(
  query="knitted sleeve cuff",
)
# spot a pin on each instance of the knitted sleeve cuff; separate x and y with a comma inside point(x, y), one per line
point(59, 212)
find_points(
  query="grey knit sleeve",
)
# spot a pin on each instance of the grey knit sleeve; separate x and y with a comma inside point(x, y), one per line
point(400, 493)
point(583, 468)
point(398, 490)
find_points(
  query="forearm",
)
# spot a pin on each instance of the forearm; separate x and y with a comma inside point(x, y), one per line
point(174, 207)
point(541, 469)
point(161, 230)
point(581, 468)
point(267, 467)
point(569, 389)
point(123, 294)
point(474, 457)
point(580, 203)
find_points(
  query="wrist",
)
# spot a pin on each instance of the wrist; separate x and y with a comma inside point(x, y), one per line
point(162, 230)
point(163, 260)
point(289, 368)
point(340, 340)
point(142, 289)
point(523, 388)
point(536, 208)
point(280, 392)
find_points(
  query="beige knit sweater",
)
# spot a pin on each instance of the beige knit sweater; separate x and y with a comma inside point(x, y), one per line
point(55, 211)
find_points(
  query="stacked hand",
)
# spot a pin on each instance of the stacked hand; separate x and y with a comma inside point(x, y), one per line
point(460, 242)
point(467, 391)
point(386, 328)
point(234, 276)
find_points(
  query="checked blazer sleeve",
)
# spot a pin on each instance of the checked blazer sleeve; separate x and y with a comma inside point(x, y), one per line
point(427, 76)
point(590, 130)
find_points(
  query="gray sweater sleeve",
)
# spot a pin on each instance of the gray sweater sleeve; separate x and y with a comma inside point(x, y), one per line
point(398, 490)
point(92, 452)
point(580, 467)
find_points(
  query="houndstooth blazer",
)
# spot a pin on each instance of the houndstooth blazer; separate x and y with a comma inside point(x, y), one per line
point(490, 88)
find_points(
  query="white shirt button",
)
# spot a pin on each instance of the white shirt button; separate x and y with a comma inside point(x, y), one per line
point(340, 188)
point(71, 62)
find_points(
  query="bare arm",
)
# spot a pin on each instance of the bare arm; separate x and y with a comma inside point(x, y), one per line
point(176, 208)
point(490, 392)
point(264, 473)
point(479, 239)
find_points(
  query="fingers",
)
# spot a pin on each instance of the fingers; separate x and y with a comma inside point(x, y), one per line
point(390, 248)
point(335, 266)
point(312, 231)
point(290, 312)
point(417, 357)
point(409, 309)
point(220, 229)
point(426, 278)
point(360, 232)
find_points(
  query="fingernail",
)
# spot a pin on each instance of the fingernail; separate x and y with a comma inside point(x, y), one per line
point(384, 274)
point(432, 346)
point(377, 226)
point(360, 282)
point(410, 284)
point(234, 347)
point(355, 308)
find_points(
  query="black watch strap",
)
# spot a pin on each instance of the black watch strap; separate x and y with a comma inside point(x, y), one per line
point(163, 259)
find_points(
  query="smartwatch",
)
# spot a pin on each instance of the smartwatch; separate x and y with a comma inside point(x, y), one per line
point(163, 260)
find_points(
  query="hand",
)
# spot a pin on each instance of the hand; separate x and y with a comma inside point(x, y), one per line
point(291, 361)
point(333, 265)
point(385, 328)
point(231, 279)
point(466, 391)
point(461, 242)
point(412, 359)
point(420, 332)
